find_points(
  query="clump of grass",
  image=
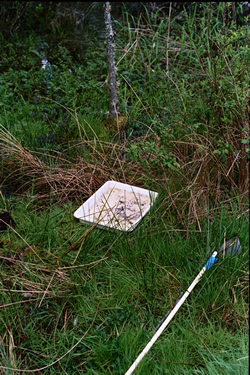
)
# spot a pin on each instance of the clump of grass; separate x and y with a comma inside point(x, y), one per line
point(207, 180)
point(58, 175)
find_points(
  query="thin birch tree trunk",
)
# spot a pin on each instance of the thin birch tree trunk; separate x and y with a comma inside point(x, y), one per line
point(111, 63)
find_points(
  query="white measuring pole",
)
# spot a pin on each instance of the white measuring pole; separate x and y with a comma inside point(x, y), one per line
point(209, 263)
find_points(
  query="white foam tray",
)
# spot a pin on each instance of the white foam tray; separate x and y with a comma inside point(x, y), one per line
point(116, 206)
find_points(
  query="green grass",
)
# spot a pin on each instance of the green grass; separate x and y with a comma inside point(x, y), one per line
point(119, 285)
point(76, 299)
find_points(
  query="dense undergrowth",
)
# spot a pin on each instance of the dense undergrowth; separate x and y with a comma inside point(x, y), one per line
point(79, 300)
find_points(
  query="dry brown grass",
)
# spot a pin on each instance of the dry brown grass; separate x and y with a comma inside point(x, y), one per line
point(61, 176)
point(210, 180)
point(204, 182)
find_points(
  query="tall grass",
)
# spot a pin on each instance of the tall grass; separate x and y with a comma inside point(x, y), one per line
point(64, 284)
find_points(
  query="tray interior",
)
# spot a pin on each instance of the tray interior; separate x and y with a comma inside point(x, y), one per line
point(116, 205)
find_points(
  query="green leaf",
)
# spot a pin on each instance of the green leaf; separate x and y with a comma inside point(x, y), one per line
point(245, 141)
point(217, 152)
point(36, 53)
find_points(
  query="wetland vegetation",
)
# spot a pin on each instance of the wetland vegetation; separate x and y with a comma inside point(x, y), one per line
point(75, 299)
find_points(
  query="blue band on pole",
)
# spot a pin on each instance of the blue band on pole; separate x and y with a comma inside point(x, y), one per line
point(211, 261)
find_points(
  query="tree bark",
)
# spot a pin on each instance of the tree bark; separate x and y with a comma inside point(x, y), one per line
point(234, 15)
point(111, 63)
